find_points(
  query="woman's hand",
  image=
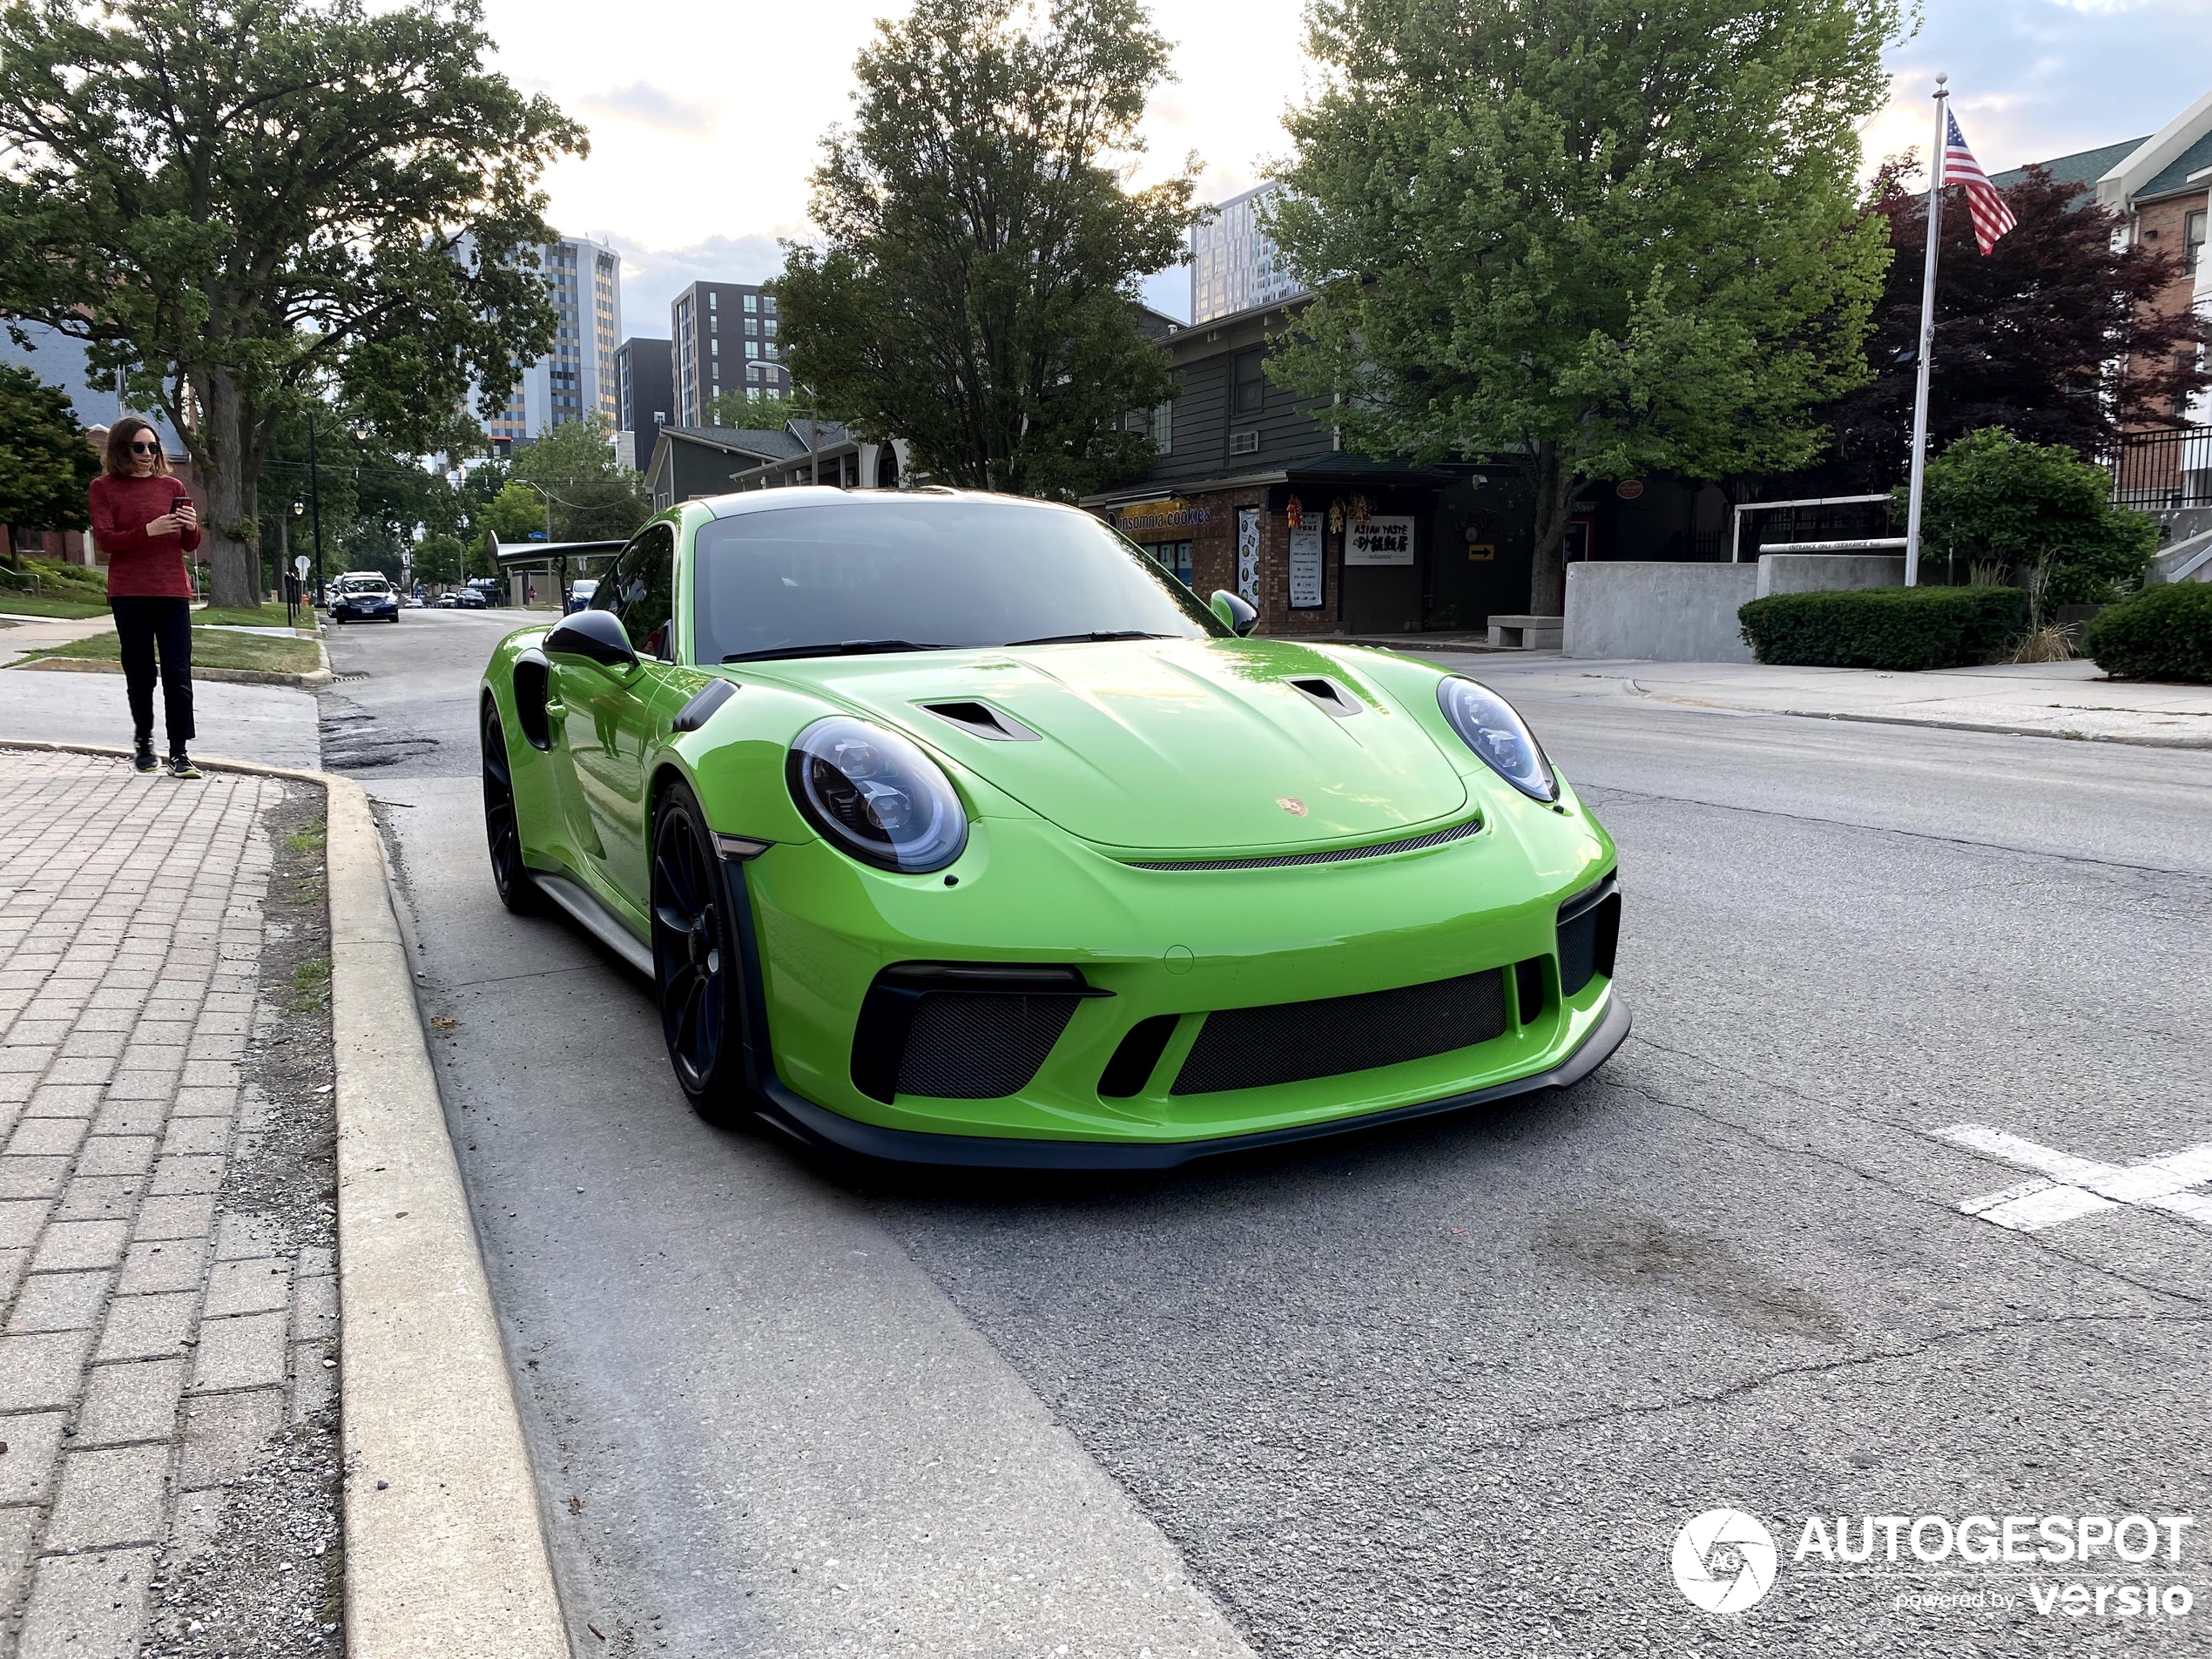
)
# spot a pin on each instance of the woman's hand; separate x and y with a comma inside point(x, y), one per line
point(167, 524)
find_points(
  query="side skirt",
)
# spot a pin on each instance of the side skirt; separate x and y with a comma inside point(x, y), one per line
point(585, 908)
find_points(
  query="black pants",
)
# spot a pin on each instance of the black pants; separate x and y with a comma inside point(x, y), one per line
point(146, 625)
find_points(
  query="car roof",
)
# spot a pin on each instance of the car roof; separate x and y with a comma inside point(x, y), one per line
point(797, 496)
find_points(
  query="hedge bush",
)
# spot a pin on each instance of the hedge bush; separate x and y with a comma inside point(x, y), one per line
point(2163, 633)
point(1890, 628)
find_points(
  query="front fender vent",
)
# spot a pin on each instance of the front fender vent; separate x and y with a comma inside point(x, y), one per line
point(529, 700)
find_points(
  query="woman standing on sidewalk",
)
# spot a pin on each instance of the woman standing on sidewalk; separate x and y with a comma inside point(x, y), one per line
point(145, 524)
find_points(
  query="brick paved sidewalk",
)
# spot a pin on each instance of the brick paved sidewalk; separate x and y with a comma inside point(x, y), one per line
point(153, 1343)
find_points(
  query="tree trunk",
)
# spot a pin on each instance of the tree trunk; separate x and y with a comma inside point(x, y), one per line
point(227, 460)
point(1555, 486)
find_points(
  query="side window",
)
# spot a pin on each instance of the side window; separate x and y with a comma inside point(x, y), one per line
point(641, 591)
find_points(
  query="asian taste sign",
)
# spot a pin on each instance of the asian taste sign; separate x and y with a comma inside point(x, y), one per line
point(1378, 541)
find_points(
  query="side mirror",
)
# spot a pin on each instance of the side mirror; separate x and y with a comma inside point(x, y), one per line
point(595, 635)
point(1236, 615)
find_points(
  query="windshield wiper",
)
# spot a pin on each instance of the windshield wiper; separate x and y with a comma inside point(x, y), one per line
point(848, 648)
point(1088, 639)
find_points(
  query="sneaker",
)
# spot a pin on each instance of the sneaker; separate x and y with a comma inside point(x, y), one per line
point(144, 760)
point(180, 765)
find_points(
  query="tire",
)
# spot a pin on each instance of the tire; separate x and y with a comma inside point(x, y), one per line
point(698, 974)
point(518, 891)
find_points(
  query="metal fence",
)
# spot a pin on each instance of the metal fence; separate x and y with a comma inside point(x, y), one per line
point(2166, 468)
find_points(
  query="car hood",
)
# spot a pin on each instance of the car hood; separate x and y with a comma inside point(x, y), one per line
point(1168, 744)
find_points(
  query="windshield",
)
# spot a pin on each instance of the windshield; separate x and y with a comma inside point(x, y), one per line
point(902, 571)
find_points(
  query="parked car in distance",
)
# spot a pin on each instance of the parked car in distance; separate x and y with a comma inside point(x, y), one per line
point(461, 599)
point(363, 595)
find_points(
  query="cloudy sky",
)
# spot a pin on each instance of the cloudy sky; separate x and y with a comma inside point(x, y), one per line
point(704, 118)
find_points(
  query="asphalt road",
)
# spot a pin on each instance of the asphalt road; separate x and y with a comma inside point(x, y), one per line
point(1451, 1390)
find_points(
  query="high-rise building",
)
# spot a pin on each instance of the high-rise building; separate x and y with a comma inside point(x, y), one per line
point(706, 318)
point(645, 384)
point(1234, 265)
point(578, 377)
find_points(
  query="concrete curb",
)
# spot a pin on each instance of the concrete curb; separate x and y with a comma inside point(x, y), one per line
point(445, 1553)
point(1991, 728)
point(236, 675)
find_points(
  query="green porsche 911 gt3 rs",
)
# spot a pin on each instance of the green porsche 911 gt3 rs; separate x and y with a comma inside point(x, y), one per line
point(951, 828)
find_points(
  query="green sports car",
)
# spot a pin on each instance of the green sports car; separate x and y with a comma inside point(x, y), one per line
point(951, 828)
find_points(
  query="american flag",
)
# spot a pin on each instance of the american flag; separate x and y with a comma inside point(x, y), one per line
point(1984, 201)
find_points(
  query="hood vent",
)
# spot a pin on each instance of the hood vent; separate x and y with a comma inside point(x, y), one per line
point(981, 720)
point(1331, 696)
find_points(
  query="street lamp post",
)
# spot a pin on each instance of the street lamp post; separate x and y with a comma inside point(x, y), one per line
point(560, 559)
point(314, 492)
point(289, 576)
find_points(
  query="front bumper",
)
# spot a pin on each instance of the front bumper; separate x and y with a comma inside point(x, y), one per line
point(1175, 951)
point(815, 1127)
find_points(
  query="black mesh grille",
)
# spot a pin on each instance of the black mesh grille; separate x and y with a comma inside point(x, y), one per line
point(1589, 931)
point(1338, 855)
point(1290, 1043)
point(964, 1046)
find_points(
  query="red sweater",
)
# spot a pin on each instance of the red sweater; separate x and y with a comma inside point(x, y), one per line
point(138, 564)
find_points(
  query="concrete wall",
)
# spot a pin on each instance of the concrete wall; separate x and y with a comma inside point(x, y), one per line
point(1667, 613)
point(1828, 572)
point(1686, 613)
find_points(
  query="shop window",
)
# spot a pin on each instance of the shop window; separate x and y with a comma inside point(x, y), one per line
point(1174, 558)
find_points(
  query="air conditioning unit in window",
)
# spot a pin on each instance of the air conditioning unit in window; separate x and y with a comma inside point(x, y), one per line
point(1244, 444)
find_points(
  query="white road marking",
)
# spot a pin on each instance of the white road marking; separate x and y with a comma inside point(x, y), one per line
point(2077, 1187)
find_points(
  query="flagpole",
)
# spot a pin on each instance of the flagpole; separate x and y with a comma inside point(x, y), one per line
point(1927, 340)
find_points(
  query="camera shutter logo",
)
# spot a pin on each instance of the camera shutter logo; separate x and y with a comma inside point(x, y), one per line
point(1724, 1561)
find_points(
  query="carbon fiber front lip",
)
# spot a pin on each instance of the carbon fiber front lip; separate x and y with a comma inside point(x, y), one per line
point(819, 1126)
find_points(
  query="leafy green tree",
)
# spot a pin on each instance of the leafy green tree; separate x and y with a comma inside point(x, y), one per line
point(741, 412)
point(438, 560)
point(516, 514)
point(595, 497)
point(975, 290)
point(1609, 237)
point(240, 203)
point(45, 462)
point(1994, 498)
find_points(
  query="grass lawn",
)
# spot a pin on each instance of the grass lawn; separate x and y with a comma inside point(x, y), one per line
point(212, 648)
point(244, 616)
point(16, 603)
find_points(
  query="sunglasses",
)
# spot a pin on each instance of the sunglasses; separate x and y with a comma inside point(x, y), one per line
point(138, 448)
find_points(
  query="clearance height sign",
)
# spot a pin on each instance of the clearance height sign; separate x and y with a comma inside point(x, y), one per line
point(1378, 541)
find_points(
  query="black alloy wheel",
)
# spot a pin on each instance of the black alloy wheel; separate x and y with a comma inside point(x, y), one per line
point(696, 970)
point(517, 890)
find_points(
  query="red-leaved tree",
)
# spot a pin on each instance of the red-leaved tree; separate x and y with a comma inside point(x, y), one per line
point(2054, 335)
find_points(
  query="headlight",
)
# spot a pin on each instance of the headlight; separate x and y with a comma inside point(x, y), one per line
point(1486, 723)
point(877, 796)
